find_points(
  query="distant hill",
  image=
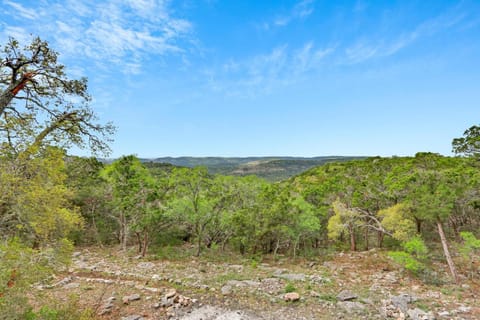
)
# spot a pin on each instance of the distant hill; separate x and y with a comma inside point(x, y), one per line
point(269, 168)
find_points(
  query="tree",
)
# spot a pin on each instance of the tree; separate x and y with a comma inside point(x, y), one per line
point(35, 201)
point(469, 144)
point(432, 196)
point(197, 203)
point(131, 186)
point(40, 105)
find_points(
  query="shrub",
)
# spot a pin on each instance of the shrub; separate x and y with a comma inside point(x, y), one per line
point(413, 255)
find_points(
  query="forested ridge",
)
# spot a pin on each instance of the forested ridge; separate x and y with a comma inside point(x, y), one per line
point(417, 211)
point(270, 168)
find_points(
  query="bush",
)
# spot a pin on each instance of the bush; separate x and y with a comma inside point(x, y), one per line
point(470, 246)
point(413, 255)
point(20, 268)
point(290, 288)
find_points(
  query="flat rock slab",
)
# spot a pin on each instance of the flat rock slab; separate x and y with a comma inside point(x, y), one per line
point(214, 313)
point(346, 295)
point(133, 317)
point(291, 276)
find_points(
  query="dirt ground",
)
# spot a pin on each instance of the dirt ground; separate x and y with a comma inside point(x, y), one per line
point(364, 285)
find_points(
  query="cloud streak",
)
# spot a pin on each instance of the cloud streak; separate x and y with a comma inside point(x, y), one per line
point(110, 33)
point(263, 73)
point(378, 47)
point(301, 10)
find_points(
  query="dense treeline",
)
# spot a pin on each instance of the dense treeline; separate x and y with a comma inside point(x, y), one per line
point(356, 205)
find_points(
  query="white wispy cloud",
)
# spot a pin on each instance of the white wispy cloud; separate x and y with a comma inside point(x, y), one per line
point(372, 47)
point(262, 73)
point(113, 33)
point(27, 13)
point(300, 10)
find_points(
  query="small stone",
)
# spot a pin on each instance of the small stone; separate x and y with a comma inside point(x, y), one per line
point(133, 297)
point(165, 303)
point(291, 296)
point(315, 294)
point(346, 295)
point(444, 313)
point(110, 299)
point(464, 309)
point(402, 300)
point(72, 285)
point(236, 267)
point(351, 306)
point(291, 276)
point(419, 314)
point(146, 265)
point(226, 290)
point(133, 317)
point(170, 293)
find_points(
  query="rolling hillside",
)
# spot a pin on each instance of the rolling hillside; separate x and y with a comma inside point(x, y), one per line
point(269, 168)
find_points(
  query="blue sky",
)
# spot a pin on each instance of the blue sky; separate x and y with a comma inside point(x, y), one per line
point(255, 78)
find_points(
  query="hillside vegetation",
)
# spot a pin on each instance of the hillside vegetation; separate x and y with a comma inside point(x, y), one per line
point(268, 168)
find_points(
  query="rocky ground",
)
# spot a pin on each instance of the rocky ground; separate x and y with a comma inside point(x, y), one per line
point(344, 286)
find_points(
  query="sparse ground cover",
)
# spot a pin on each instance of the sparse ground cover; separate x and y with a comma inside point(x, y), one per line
point(359, 285)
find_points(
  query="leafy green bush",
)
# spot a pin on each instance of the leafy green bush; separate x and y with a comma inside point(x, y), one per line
point(413, 257)
point(70, 310)
point(20, 268)
point(470, 246)
point(290, 288)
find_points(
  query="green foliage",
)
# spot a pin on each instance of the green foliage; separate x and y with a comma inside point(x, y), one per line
point(70, 310)
point(50, 108)
point(416, 247)
point(469, 251)
point(407, 261)
point(470, 244)
point(413, 256)
point(132, 188)
point(469, 144)
point(20, 267)
point(398, 220)
point(39, 211)
point(289, 288)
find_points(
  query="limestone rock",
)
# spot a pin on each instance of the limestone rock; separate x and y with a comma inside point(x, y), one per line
point(419, 314)
point(133, 317)
point(291, 276)
point(146, 265)
point(226, 290)
point(351, 306)
point(346, 295)
point(402, 300)
point(133, 297)
point(291, 296)
point(170, 293)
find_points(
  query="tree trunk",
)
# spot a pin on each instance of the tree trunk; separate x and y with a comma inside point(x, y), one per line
point(145, 243)
point(365, 238)
point(443, 239)
point(418, 222)
point(139, 241)
point(123, 232)
point(353, 244)
point(277, 245)
point(11, 91)
point(380, 236)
